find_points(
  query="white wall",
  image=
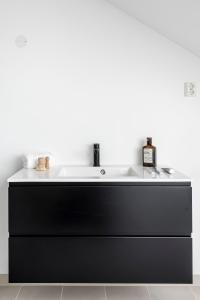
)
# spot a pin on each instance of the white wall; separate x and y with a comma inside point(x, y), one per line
point(92, 74)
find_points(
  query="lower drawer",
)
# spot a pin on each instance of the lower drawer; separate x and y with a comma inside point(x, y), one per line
point(100, 260)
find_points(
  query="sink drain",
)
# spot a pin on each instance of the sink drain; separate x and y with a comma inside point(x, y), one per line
point(103, 172)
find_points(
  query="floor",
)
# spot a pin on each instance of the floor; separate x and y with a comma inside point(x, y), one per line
point(99, 293)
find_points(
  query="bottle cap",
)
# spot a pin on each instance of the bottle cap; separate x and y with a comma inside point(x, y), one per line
point(149, 140)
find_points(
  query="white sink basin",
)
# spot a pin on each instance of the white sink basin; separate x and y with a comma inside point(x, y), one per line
point(97, 172)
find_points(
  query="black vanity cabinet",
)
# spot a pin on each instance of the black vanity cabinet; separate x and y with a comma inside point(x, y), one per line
point(100, 232)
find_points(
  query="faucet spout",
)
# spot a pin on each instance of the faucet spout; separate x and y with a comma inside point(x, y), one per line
point(96, 152)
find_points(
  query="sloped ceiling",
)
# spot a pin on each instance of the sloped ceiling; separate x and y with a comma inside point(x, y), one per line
point(178, 20)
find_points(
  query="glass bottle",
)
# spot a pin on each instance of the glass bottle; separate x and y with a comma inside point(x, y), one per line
point(149, 154)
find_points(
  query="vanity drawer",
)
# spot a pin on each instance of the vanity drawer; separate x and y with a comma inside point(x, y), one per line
point(100, 260)
point(108, 210)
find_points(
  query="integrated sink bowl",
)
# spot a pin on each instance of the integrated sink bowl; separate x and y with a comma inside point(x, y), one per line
point(97, 172)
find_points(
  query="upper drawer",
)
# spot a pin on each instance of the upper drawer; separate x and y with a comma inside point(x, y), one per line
point(100, 210)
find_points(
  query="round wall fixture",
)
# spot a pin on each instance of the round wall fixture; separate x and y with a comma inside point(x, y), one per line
point(21, 41)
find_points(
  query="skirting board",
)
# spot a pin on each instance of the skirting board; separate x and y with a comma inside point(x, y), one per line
point(4, 281)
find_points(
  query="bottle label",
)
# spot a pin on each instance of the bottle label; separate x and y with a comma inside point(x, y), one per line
point(148, 156)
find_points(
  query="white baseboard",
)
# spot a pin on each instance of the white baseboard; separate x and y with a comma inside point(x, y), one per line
point(3, 279)
point(196, 279)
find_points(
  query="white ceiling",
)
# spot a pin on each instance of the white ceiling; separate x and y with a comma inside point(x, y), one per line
point(178, 20)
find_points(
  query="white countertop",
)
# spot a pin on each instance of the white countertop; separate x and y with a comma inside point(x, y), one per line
point(113, 174)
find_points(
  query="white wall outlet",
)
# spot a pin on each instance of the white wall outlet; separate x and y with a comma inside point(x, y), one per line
point(190, 89)
point(21, 41)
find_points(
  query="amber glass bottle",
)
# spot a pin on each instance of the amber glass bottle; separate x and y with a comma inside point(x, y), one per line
point(149, 154)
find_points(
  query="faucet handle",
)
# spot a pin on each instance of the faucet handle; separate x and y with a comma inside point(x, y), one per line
point(96, 146)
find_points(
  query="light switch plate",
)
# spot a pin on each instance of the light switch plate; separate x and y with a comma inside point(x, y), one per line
point(190, 89)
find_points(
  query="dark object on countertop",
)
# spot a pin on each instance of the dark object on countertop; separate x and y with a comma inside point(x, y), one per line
point(149, 154)
point(96, 151)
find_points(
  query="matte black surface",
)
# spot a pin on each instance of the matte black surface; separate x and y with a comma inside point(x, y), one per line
point(100, 260)
point(100, 210)
point(81, 232)
point(96, 154)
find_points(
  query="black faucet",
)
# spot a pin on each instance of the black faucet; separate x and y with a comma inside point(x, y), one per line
point(96, 151)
